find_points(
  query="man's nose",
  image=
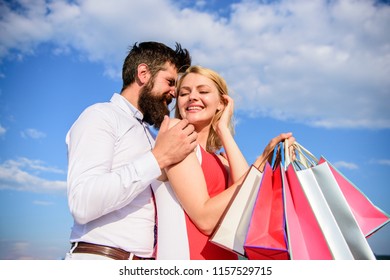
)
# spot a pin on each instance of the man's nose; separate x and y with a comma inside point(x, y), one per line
point(172, 92)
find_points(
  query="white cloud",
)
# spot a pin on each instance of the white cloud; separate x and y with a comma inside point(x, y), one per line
point(43, 203)
point(381, 161)
point(323, 63)
point(36, 165)
point(384, 161)
point(14, 249)
point(346, 165)
point(2, 130)
point(25, 175)
point(32, 133)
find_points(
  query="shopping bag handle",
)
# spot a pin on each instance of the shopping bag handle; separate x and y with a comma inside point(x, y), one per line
point(306, 154)
point(275, 153)
point(303, 158)
point(277, 148)
point(286, 156)
point(282, 150)
point(285, 159)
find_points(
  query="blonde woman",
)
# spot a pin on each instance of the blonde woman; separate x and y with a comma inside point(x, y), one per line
point(200, 186)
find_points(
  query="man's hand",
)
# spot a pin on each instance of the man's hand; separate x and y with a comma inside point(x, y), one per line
point(174, 143)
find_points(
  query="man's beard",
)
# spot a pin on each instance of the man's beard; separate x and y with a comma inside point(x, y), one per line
point(153, 107)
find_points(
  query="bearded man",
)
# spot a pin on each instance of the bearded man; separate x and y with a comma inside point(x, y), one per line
point(113, 157)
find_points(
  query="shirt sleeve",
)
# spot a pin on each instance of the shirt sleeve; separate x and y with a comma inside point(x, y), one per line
point(94, 187)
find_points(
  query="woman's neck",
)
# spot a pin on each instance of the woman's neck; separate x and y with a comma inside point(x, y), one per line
point(203, 134)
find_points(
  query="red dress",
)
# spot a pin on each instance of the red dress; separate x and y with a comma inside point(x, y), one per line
point(216, 179)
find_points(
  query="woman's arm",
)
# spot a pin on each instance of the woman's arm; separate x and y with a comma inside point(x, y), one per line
point(188, 182)
point(235, 159)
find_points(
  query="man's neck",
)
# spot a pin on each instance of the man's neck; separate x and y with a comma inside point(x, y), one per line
point(131, 93)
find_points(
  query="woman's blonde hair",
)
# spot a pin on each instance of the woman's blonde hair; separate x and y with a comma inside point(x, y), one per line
point(213, 141)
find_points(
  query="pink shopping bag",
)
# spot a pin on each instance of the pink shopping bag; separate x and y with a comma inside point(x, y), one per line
point(369, 217)
point(266, 237)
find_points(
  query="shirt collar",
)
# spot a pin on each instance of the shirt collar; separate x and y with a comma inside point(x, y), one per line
point(125, 105)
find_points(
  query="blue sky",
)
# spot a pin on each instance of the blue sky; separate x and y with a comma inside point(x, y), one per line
point(317, 68)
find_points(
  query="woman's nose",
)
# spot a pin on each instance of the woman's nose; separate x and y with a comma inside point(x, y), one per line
point(193, 95)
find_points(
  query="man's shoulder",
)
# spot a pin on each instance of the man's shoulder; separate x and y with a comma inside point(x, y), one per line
point(104, 105)
point(102, 111)
point(107, 105)
point(98, 108)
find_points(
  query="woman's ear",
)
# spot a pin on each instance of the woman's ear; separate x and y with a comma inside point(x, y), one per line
point(143, 73)
point(221, 106)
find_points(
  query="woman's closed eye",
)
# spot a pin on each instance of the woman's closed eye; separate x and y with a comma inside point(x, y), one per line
point(183, 93)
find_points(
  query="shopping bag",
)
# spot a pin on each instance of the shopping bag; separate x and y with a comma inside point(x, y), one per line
point(266, 237)
point(231, 229)
point(331, 209)
point(306, 240)
point(369, 217)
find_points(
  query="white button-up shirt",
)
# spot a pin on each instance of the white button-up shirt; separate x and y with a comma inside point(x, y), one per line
point(111, 167)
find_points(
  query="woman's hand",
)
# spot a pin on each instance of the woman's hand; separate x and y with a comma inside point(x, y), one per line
point(268, 151)
point(226, 114)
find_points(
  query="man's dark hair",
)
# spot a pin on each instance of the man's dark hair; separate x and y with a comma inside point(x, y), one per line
point(155, 55)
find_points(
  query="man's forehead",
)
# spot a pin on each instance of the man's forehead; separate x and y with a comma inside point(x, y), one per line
point(169, 69)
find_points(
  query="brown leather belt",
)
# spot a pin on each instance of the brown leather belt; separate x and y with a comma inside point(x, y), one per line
point(110, 252)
